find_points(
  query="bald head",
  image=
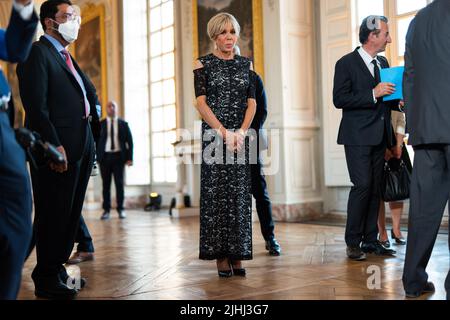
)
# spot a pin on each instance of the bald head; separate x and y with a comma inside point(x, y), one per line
point(111, 109)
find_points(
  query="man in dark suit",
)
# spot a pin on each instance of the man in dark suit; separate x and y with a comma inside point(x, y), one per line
point(114, 151)
point(427, 97)
point(259, 185)
point(61, 105)
point(15, 189)
point(366, 132)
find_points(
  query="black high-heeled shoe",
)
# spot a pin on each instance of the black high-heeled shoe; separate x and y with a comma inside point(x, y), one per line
point(400, 241)
point(385, 244)
point(225, 274)
point(238, 272)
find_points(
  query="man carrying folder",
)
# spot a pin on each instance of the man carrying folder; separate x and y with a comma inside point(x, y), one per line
point(366, 132)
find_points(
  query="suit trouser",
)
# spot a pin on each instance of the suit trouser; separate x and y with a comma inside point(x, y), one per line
point(365, 165)
point(15, 211)
point(430, 191)
point(58, 202)
point(112, 165)
point(263, 204)
point(83, 238)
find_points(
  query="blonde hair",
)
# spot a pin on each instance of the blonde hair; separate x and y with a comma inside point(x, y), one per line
point(219, 22)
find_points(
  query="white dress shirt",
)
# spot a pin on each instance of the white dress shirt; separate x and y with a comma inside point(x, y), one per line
point(368, 61)
point(115, 122)
point(26, 12)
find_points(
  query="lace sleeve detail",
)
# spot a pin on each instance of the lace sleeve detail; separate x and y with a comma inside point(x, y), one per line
point(200, 81)
point(251, 91)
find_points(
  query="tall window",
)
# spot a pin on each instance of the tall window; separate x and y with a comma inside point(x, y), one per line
point(400, 14)
point(163, 91)
point(150, 92)
point(136, 88)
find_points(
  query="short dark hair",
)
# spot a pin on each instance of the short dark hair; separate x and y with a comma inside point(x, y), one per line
point(369, 25)
point(49, 9)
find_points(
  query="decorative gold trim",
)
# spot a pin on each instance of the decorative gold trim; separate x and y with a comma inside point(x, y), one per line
point(195, 28)
point(258, 35)
point(89, 13)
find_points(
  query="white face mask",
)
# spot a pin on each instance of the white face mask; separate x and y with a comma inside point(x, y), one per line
point(69, 30)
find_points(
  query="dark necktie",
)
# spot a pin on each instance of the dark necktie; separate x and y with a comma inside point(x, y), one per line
point(376, 71)
point(113, 145)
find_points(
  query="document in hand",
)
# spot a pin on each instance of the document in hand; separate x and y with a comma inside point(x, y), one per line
point(395, 76)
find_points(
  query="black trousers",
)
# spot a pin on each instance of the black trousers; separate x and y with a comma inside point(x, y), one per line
point(59, 202)
point(365, 166)
point(15, 211)
point(83, 238)
point(430, 191)
point(263, 204)
point(112, 165)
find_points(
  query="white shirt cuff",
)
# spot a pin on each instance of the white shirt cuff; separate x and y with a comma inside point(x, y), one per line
point(375, 100)
point(99, 110)
point(26, 12)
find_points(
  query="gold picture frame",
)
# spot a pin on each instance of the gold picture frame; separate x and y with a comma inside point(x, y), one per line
point(257, 32)
point(90, 50)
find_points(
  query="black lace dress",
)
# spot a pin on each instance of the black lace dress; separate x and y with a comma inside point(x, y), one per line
point(225, 200)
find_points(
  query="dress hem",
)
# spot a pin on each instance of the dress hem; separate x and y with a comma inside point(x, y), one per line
point(224, 256)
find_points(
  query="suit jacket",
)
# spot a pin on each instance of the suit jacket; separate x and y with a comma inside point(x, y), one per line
point(261, 113)
point(54, 101)
point(363, 121)
point(125, 141)
point(426, 82)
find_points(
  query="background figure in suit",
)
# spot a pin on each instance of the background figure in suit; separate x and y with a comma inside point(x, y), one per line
point(114, 151)
point(15, 189)
point(427, 98)
point(398, 152)
point(61, 105)
point(259, 185)
point(366, 132)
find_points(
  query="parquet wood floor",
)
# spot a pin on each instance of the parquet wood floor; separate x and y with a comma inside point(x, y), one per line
point(150, 256)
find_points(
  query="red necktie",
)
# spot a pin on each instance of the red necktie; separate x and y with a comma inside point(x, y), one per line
point(79, 80)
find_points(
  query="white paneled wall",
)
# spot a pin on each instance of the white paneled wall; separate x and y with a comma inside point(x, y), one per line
point(336, 41)
point(301, 113)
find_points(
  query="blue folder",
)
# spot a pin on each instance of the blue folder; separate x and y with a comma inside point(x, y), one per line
point(395, 76)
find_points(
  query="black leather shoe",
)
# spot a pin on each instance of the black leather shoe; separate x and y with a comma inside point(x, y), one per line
point(355, 253)
point(377, 248)
point(106, 215)
point(122, 214)
point(273, 247)
point(54, 289)
point(400, 241)
point(429, 288)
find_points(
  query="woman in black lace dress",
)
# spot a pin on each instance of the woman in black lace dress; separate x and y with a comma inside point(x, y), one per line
point(225, 91)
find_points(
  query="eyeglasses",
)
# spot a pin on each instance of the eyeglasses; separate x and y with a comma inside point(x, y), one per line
point(70, 17)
